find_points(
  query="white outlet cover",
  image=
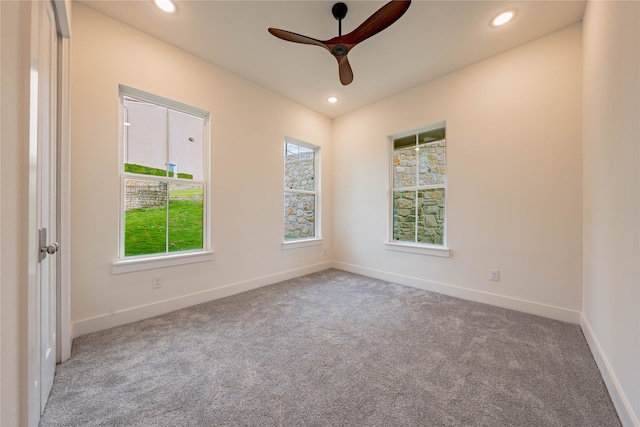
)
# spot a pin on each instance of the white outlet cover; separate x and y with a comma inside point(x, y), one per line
point(156, 282)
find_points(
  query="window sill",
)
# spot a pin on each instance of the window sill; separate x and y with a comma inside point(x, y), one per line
point(418, 249)
point(148, 263)
point(293, 244)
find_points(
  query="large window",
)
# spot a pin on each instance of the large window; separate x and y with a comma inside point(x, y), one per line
point(300, 190)
point(164, 176)
point(419, 186)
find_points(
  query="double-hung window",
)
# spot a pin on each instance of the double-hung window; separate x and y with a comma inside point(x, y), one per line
point(419, 189)
point(301, 202)
point(164, 177)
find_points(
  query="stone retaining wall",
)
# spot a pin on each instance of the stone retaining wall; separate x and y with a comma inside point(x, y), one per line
point(430, 216)
point(148, 194)
point(299, 171)
point(145, 194)
point(299, 216)
point(430, 158)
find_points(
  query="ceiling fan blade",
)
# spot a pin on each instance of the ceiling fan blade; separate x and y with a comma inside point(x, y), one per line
point(296, 38)
point(344, 69)
point(385, 16)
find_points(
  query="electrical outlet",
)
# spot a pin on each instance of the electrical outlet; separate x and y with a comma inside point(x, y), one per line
point(494, 275)
point(324, 252)
point(156, 282)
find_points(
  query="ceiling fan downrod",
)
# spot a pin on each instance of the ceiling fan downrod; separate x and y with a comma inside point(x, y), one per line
point(339, 11)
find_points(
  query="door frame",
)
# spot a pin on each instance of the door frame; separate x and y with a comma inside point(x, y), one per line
point(62, 10)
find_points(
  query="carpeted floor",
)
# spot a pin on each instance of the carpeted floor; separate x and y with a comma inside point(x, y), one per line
point(333, 349)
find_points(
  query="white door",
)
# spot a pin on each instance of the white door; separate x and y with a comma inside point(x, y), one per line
point(46, 197)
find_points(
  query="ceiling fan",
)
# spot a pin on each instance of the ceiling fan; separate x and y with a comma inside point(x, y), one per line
point(340, 46)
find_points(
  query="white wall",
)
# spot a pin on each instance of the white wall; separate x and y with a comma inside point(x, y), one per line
point(611, 133)
point(13, 222)
point(248, 125)
point(514, 180)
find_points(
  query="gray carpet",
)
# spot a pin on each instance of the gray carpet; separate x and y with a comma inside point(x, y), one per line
point(333, 349)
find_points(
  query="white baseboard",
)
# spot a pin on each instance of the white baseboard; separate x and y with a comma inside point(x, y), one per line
point(552, 312)
point(147, 311)
point(620, 401)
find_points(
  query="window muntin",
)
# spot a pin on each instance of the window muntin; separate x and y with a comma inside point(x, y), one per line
point(418, 196)
point(164, 174)
point(300, 190)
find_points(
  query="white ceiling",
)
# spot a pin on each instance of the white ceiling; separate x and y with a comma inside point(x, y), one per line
point(432, 39)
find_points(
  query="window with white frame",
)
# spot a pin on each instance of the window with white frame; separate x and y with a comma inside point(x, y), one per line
point(164, 176)
point(300, 190)
point(419, 186)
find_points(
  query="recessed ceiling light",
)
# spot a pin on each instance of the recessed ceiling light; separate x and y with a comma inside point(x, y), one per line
point(166, 5)
point(503, 18)
point(332, 99)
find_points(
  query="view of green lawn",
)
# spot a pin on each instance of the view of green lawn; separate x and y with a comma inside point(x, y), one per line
point(146, 228)
point(186, 192)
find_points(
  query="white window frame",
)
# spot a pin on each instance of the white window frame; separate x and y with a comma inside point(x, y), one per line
point(415, 247)
point(146, 262)
point(317, 238)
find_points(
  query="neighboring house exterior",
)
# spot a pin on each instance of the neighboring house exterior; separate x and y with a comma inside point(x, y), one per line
point(146, 142)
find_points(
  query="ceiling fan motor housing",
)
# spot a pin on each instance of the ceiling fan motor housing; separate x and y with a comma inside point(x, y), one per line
point(340, 50)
